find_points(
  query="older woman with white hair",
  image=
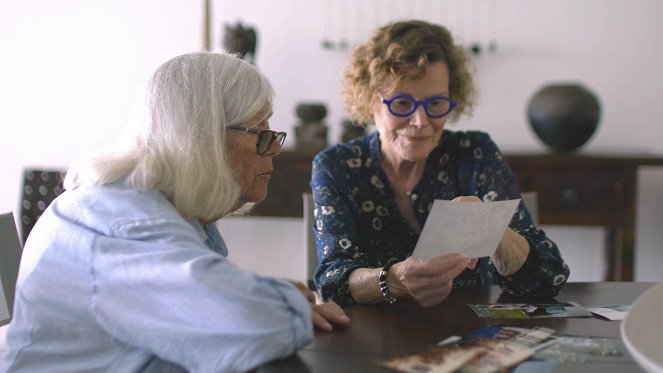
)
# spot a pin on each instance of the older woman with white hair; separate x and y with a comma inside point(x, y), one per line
point(126, 271)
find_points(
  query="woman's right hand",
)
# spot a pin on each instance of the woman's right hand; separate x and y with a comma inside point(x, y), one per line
point(428, 282)
point(325, 315)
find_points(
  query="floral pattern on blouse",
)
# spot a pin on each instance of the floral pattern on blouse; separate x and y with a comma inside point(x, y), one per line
point(358, 224)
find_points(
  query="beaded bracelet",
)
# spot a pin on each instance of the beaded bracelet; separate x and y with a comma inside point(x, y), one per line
point(383, 280)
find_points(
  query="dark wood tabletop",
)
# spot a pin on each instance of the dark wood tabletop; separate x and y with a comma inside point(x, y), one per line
point(380, 332)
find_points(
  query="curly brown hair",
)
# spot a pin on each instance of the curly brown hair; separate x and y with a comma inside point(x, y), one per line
point(394, 47)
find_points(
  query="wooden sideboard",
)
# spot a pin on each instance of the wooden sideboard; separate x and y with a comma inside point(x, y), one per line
point(588, 189)
point(291, 178)
point(573, 189)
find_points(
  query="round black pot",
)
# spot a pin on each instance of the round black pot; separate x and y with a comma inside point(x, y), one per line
point(564, 116)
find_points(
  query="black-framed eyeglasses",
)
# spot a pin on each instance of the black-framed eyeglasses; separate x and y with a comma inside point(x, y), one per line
point(265, 137)
point(406, 105)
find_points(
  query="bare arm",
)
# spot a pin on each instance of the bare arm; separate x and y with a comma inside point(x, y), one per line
point(512, 250)
point(511, 253)
point(364, 285)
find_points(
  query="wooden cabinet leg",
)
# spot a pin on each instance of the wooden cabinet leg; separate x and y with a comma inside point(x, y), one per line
point(619, 253)
point(610, 254)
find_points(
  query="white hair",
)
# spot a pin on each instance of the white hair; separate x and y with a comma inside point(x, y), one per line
point(178, 146)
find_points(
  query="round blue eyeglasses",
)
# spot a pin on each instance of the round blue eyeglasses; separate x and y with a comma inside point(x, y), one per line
point(406, 105)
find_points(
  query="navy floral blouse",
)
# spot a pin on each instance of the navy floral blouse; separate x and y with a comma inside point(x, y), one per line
point(358, 224)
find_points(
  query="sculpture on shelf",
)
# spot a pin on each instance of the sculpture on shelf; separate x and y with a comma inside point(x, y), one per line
point(350, 131)
point(564, 116)
point(241, 40)
point(311, 132)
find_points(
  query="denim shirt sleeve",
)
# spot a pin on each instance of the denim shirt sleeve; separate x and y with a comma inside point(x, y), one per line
point(206, 314)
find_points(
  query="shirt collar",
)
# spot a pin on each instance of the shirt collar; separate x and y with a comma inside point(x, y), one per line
point(212, 237)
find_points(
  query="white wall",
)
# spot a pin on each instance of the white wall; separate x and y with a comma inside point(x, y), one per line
point(69, 72)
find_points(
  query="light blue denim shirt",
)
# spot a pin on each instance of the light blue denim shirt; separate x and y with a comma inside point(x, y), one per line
point(113, 279)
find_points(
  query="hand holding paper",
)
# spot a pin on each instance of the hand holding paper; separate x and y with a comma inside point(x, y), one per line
point(471, 229)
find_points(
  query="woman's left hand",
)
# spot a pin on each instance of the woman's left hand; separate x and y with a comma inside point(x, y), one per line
point(324, 314)
point(466, 199)
point(511, 252)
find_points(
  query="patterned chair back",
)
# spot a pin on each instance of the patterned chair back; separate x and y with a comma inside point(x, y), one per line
point(40, 187)
point(10, 257)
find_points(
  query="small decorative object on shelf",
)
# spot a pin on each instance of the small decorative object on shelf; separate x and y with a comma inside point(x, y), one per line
point(311, 132)
point(350, 131)
point(241, 40)
point(564, 116)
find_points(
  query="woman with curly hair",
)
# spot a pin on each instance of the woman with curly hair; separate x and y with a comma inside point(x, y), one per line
point(373, 194)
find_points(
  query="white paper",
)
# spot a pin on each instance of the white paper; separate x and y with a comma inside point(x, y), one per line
point(472, 229)
point(616, 312)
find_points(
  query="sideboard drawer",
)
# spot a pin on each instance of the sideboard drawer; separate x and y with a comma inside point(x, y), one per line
point(291, 178)
point(572, 194)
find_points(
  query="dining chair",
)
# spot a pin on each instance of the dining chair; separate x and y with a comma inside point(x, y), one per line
point(10, 257)
point(530, 199)
point(309, 239)
point(40, 188)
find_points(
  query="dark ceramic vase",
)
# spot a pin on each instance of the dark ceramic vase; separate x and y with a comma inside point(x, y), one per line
point(311, 112)
point(564, 116)
point(311, 132)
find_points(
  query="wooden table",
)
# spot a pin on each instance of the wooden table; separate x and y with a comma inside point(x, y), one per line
point(381, 332)
point(573, 189)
